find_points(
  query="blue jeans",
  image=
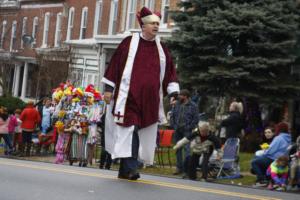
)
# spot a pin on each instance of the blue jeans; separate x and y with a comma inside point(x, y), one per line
point(7, 141)
point(259, 166)
point(182, 158)
point(7, 147)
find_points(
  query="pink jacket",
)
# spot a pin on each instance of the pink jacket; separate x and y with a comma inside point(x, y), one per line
point(12, 124)
point(3, 126)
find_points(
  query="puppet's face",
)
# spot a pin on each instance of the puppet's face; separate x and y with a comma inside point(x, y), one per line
point(90, 100)
point(73, 122)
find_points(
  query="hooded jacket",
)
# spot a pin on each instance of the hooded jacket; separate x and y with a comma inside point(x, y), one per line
point(278, 146)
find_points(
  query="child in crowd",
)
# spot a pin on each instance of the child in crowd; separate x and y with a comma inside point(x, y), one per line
point(12, 124)
point(267, 139)
point(105, 157)
point(78, 151)
point(202, 143)
point(59, 148)
point(4, 121)
point(294, 180)
point(17, 139)
point(278, 173)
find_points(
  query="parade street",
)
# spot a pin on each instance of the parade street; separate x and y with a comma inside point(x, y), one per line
point(26, 180)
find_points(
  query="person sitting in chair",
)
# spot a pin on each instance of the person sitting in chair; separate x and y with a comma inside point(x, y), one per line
point(202, 143)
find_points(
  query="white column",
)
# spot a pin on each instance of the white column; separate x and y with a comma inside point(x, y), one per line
point(16, 80)
point(84, 78)
point(24, 84)
point(102, 67)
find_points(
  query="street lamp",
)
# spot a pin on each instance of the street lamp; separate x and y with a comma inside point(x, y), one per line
point(27, 39)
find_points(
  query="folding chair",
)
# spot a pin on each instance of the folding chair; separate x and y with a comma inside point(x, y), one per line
point(165, 143)
point(228, 166)
point(48, 140)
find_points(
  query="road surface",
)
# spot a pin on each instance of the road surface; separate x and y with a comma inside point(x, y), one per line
point(26, 180)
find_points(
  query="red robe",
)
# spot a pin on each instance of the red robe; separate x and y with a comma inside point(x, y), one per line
point(142, 104)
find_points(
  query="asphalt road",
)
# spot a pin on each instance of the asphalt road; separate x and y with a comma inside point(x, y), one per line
point(26, 180)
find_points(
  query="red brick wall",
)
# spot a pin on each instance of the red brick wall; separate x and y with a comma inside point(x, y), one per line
point(9, 17)
point(40, 13)
point(105, 17)
point(30, 13)
point(78, 5)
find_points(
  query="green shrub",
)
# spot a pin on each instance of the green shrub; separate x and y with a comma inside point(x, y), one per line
point(12, 103)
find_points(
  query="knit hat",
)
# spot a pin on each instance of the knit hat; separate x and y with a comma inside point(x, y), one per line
point(89, 90)
point(145, 16)
point(282, 127)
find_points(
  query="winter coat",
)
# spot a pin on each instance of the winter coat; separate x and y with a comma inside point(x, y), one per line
point(277, 173)
point(199, 144)
point(30, 117)
point(190, 117)
point(233, 124)
point(12, 124)
point(278, 146)
point(4, 126)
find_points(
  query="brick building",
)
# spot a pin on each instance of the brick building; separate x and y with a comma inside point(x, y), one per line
point(43, 42)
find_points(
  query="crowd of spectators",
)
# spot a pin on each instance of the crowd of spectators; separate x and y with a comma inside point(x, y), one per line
point(276, 165)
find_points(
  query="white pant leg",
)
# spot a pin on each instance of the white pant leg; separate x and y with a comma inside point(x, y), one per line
point(147, 138)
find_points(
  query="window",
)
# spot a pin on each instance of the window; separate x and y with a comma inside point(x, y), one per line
point(112, 29)
point(13, 36)
point(131, 14)
point(91, 78)
point(98, 17)
point(165, 11)
point(46, 29)
point(83, 23)
point(24, 31)
point(35, 24)
point(70, 23)
point(149, 4)
point(4, 23)
point(57, 40)
point(76, 77)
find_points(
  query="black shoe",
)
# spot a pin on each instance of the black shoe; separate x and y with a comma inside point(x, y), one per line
point(184, 176)
point(260, 184)
point(15, 153)
point(177, 172)
point(134, 176)
point(123, 176)
point(21, 155)
point(252, 171)
point(203, 179)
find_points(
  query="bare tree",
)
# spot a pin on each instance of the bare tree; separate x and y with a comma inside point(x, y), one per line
point(6, 70)
point(51, 71)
